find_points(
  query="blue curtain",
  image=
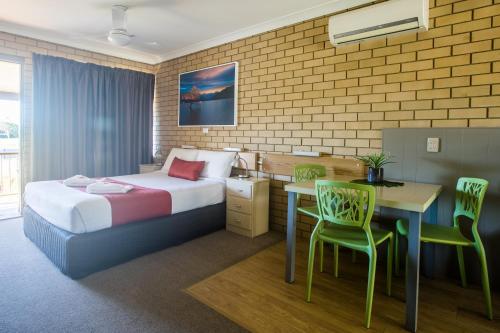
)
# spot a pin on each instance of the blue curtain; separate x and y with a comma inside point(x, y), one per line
point(89, 119)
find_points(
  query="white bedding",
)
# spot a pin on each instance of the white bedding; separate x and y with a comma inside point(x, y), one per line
point(79, 212)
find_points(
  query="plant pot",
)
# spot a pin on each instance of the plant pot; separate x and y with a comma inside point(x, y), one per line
point(375, 175)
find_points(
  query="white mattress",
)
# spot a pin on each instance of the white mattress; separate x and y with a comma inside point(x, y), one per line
point(79, 212)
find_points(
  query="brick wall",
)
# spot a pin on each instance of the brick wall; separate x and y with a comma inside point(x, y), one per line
point(12, 45)
point(296, 91)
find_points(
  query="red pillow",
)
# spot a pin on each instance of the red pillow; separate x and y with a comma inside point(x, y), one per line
point(189, 170)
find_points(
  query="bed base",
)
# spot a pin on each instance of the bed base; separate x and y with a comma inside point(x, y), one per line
point(78, 255)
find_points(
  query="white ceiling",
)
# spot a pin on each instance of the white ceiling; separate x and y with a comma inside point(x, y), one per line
point(164, 29)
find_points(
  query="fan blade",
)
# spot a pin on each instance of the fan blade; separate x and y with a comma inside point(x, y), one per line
point(119, 17)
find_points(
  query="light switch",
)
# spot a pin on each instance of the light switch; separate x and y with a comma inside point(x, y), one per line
point(433, 145)
point(205, 130)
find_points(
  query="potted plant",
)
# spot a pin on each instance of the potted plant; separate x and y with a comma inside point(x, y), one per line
point(375, 163)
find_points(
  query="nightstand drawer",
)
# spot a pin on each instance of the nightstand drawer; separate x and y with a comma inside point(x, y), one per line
point(240, 220)
point(239, 188)
point(238, 204)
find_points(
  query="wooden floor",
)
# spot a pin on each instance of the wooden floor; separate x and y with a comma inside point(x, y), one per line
point(253, 294)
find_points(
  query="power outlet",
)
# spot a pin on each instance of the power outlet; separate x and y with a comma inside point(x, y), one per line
point(205, 130)
point(433, 145)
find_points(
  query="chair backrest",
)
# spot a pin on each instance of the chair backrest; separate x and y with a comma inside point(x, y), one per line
point(346, 203)
point(469, 198)
point(306, 172)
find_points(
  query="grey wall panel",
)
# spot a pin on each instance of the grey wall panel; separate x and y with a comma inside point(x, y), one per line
point(468, 152)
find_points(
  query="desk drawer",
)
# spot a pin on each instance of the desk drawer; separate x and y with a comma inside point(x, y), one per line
point(239, 220)
point(239, 204)
point(239, 189)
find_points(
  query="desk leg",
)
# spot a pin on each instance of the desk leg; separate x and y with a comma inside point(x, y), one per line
point(290, 237)
point(429, 248)
point(412, 271)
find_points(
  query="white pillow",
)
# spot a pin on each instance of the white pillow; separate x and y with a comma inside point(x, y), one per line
point(183, 154)
point(218, 164)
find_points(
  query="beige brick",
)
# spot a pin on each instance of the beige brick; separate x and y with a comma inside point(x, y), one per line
point(416, 105)
point(471, 69)
point(431, 114)
point(485, 101)
point(472, 47)
point(467, 113)
point(401, 96)
point(453, 18)
point(385, 51)
point(440, 11)
point(372, 98)
point(399, 115)
point(486, 56)
point(417, 65)
point(452, 40)
point(399, 58)
point(472, 26)
point(487, 11)
point(450, 123)
point(452, 82)
point(389, 106)
point(458, 60)
point(388, 69)
point(471, 91)
point(451, 103)
point(416, 46)
point(494, 112)
point(486, 79)
point(485, 123)
point(485, 34)
point(401, 77)
point(433, 74)
point(416, 85)
point(470, 4)
point(434, 53)
point(434, 93)
point(414, 123)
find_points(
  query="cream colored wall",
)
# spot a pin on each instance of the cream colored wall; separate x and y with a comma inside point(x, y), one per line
point(13, 45)
point(296, 91)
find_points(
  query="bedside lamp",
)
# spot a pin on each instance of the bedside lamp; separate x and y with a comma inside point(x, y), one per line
point(236, 163)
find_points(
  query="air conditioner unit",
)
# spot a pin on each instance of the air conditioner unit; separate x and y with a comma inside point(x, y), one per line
point(393, 16)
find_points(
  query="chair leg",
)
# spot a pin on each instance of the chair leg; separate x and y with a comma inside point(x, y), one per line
point(310, 266)
point(370, 287)
point(396, 253)
point(485, 280)
point(353, 256)
point(461, 266)
point(320, 243)
point(390, 248)
point(335, 260)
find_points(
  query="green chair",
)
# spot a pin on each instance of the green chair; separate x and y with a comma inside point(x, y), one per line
point(346, 210)
point(308, 172)
point(304, 173)
point(468, 201)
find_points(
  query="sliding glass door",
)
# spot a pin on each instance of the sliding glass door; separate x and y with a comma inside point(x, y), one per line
point(10, 115)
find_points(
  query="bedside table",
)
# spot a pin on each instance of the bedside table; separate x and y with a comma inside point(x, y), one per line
point(145, 168)
point(247, 206)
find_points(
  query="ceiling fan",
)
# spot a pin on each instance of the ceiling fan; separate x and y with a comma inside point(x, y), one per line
point(119, 35)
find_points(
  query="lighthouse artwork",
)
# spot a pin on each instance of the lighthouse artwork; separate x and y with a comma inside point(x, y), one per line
point(209, 96)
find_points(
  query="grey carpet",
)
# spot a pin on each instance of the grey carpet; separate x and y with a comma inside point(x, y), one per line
point(144, 295)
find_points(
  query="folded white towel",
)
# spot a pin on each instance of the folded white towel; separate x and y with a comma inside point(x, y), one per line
point(79, 180)
point(108, 188)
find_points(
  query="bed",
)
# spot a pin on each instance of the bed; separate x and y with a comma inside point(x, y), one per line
point(78, 232)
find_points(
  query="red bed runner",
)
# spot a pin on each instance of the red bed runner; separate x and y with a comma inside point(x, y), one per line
point(140, 203)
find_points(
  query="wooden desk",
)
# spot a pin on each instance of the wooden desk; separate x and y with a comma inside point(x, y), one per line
point(416, 198)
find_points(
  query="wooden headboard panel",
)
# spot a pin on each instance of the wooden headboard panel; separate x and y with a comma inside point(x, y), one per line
point(284, 164)
point(251, 159)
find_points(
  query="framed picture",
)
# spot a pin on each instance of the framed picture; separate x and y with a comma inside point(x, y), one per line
point(209, 96)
